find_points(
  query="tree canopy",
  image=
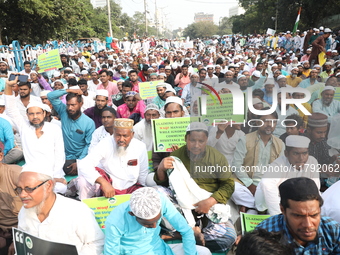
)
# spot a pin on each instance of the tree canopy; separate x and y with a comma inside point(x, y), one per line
point(261, 14)
point(35, 21)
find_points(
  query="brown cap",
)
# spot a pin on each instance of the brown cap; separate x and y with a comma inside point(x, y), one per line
point(317, 120)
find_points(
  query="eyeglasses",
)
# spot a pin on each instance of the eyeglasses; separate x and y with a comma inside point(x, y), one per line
point(28, 190)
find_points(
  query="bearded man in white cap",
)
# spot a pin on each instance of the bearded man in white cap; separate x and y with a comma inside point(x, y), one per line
point(124, 160)
point(134, 227)
point(159, 100)
point(142, 129)
point(327, 105)
point(192, 174)
point(41, 141)
point(53, 217)
point(95, 112)
point(295, 163)
point(292, 79)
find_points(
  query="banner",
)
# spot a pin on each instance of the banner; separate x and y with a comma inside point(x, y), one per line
point(322, 58)
point(49, 61)
point(250, 221)
point(169, 131)
point(216, 111)
point(147, 90)
point(270, 31)
point(102, 206)
point(26, 244)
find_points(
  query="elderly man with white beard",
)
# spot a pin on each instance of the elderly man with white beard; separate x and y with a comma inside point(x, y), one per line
point(124, 160)
point(53, 217)
point(142, 129)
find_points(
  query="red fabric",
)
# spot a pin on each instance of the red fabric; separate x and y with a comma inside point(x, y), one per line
point(117, 191)
point(141, 76)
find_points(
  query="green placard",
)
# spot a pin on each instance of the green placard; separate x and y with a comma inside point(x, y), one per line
point(147, 90)
point(250, 221)
point(170, 131)
point(49, 60)
point(103, 206)
point(150, 161)
point(217, 111)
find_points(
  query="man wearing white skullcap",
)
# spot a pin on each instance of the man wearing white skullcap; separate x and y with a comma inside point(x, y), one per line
point(41, 141)
point(328, 71)
point(191, 91)
point(327, 105)
point(134, 227)
point(43, 213)
point(200, 190)
point(292, 79)
point(142, 129)
point(159, 100)
point(295, 163)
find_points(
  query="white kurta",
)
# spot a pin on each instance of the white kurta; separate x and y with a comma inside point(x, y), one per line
point(47, 150)
point(224, 144)
point(70, 222)
point(143, 132)
point(123, 175)
point(331, 199)
point(267, 192)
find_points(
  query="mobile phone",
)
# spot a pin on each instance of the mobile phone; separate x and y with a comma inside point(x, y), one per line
point(22, 78)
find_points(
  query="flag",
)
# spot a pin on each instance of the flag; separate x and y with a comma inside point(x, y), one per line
point(297, 21)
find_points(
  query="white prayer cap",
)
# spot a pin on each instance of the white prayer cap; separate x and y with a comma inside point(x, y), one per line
point(274, 65)
point(110, 58)
point(281, 77)
point(84, 72)
point(56, 74)
point(145, 203)
point(163, 74)
point(120, 80)
point(173, 99)
point(4, 62)
point(46, 108)
point(151, 107)
point(153, 64)
point(327, 64)
point(297, 141)
point(44, 93)
point(93, 57)
point(229, 71)
point(309, 49)
point(295, 58)
point(194, 74)
point(71, 54)
point(257, 74)
point(257, 101)
point(38, 168)
point(279, 58)
point(197, 126)
point(295, 68)
point(163, 84)
point(327, 30)
point(123, 70)
point(72, 75)
point(2, 102)
point(102, 92)
point(321, 28)
point(74, 87)
point(168, 68)
point(119, 64)
point(170, 89)
point(328, 88)
point(288, 32)
point(174, 65)
point(240, 76)
point(35, 104)
point(334, 51)
point(210, 66)
point(271, 62)
point(68, 68)
point(150, 68)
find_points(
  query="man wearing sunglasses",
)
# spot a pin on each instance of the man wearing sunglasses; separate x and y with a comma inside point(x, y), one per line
point(53, 217)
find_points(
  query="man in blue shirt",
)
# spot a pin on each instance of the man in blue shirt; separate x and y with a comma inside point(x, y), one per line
point(301, 222)
point(77, 127)
point(133, 227)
